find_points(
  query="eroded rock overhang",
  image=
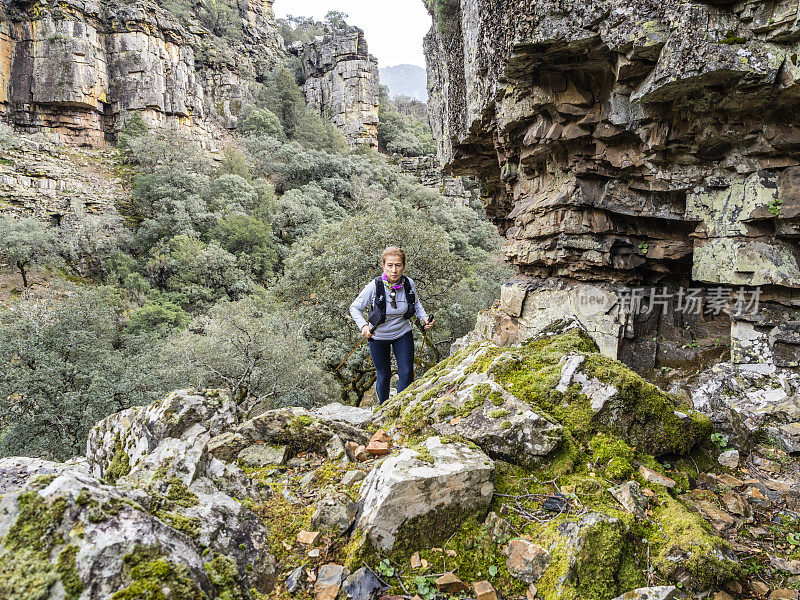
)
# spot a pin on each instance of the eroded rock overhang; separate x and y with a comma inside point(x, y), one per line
point(632, 144)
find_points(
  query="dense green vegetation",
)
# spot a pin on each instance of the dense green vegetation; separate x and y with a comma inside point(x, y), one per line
point(402, 132)
point(234, 271)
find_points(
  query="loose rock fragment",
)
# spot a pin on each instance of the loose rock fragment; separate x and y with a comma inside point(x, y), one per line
point(654, 477)
point(526, 561)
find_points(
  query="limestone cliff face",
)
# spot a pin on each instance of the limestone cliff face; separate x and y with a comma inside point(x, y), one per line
point(342, 83)
point(76, 67)
point(650, 143)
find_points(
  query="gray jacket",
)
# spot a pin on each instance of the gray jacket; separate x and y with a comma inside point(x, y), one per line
point(395, 325)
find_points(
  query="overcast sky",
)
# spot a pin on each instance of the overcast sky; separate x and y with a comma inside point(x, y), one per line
point(394, 29)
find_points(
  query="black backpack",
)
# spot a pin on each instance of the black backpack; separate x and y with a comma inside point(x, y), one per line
point(377, 312)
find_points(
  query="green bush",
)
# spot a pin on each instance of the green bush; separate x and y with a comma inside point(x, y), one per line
point(67, 363)
point(262, 121)
point(401, 133)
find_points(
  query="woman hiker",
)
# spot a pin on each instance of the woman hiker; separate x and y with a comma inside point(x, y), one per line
point(397, 301)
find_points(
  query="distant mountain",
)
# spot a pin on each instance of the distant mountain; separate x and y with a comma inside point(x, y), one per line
point(405, 80)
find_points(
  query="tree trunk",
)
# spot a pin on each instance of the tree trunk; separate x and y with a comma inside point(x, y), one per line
point(24, 275)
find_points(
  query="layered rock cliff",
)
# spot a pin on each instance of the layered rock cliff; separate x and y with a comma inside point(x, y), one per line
point(76, 68)
point(633, 144)
point(342, 83)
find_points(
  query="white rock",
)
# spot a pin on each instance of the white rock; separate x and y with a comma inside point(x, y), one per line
point(405, 487)
point(729, 458)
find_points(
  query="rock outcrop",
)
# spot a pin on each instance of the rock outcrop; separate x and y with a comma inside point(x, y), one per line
point(632, 144)
point(513, 402)
point(342, 83)
point(47, 180)
point(78, 68)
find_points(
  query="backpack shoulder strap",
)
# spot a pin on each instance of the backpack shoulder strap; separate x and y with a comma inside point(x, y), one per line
point(380, 294)
point(410, 298)
point(377, 312)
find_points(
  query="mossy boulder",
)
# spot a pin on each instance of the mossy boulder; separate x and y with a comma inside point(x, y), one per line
point(419, 497)
point(299, 430)
point(70, 536)
point(591, 557)
point(516, 403)
point(459, 400)
point(747, 404)
point(167, 437)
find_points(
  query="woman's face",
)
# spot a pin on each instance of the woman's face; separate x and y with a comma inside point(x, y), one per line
point(393, 267)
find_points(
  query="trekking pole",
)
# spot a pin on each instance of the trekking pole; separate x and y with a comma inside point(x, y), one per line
point(371, 330)
point(430, 320)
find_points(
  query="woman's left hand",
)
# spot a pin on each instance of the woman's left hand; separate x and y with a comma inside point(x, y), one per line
point(426, 324)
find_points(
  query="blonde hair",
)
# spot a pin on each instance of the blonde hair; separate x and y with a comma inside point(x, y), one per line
point(393, 251)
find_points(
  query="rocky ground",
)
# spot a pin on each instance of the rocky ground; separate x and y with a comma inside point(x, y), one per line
point(538, 471)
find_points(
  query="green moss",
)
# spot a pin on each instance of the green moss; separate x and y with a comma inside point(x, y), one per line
point(167, 506)
point(180, 495)
point(505, 425)
point(152, 577)
point(423, 453)
point(447, 410)
point(68, 571)
point(35, 528)
point(648, 420)
point(428, 530)
point(600, 559)
point(416, 417)
point(356, 550)
point(686, 535)
point(25, 567)
point(44, 480)
point(614, 453)
point(224, 574)
point(480, 392)
point(731, 38)
point(188, 525)
point(328, 473)
point(284, 521)
point(498, 413)
point(603, 566)
point(120, 464)
point(300, 422)
point(496, 398)
point(26, 573)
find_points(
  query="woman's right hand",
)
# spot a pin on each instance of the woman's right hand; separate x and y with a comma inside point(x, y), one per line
point(366, 331)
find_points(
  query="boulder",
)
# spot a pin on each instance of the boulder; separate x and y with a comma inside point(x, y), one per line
point(423, 495)
point(262, 455)
point(168, 438)
point(355, 416)
point(729, 458)
point(329, 581)
point(298, 429)
point(226, 446)
point(73, 529)
point(512, 401)
point(526, 561)
point(352, 477)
